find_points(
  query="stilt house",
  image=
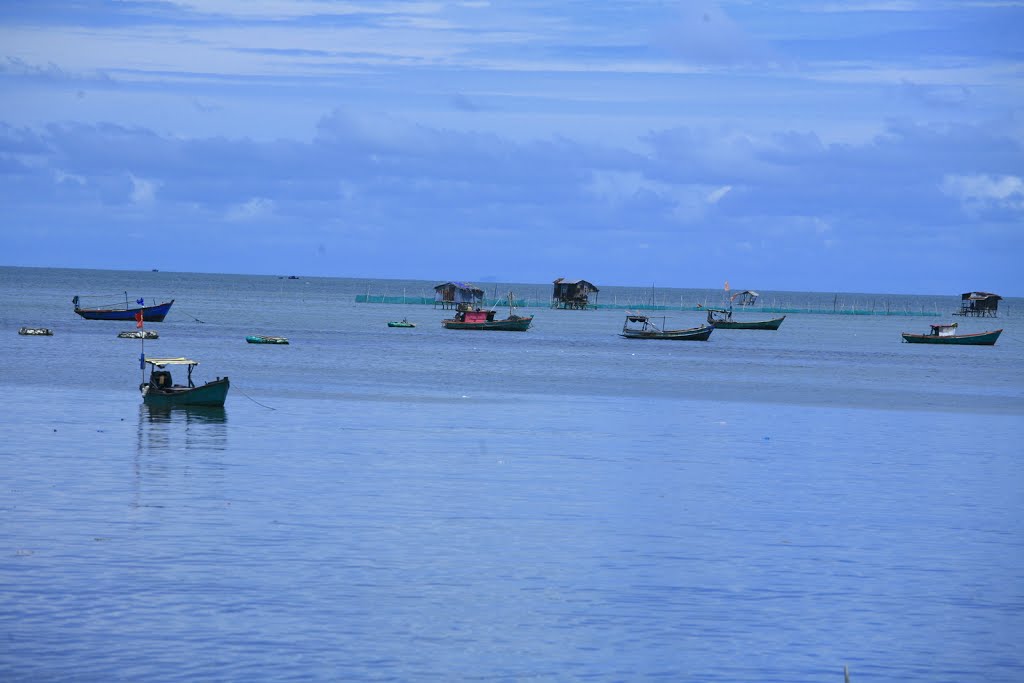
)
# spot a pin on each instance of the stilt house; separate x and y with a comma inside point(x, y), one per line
point(454, 294)
point(979, 304)
point(747, 297)
point(572, 293)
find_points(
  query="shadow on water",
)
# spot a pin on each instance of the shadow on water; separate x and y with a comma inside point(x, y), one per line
point(196, 428)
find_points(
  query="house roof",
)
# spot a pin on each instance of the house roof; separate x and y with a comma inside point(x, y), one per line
point(468, 286)
point(564, 281)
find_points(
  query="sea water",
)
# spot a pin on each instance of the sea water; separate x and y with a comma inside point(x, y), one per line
point(561, 504)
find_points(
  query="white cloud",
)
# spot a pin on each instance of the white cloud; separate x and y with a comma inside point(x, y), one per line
point(254, 209)
point(847, 7)
point(982, 191)
point(616, 187)
point(143, 191)
point(715, 196)
point(60, 176)
point(689, 202)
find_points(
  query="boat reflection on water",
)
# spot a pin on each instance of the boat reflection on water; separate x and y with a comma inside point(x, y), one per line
point(182, 428)
point(184, 414)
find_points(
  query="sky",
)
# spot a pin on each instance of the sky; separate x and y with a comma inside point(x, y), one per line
point(861, 146)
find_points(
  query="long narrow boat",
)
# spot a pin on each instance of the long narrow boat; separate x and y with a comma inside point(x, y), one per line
point(946, 334)
point(263, 339)
point(150, 314)
point(722, 318)
point(161, 390)
point(467, 318)
point(36, 332)
point(642, 327)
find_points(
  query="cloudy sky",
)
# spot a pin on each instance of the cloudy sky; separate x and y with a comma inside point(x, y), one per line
point(861, 146)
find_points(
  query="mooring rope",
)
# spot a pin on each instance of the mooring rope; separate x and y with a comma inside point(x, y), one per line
point(195, 318)
point(253, 400)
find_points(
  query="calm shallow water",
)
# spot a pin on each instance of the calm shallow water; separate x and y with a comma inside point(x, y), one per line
point(556, 505)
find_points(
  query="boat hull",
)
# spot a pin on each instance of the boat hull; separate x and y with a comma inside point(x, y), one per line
point(210, 394)
point(401, 324)
point(36, 332)
point(138, 334)
point(517, 324)
point(772, 324)
point(980, 339)
point(693, 334)
point(150, 314)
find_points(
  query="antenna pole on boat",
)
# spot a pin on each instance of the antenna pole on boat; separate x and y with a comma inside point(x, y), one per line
point(142, 357)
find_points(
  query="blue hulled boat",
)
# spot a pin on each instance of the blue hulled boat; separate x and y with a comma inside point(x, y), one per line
point(150, 314)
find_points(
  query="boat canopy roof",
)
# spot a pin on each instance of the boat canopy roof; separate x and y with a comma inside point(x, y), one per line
point(161, 362)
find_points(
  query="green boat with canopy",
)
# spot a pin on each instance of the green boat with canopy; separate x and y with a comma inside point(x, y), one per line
point(161, 390)
point(946, 334)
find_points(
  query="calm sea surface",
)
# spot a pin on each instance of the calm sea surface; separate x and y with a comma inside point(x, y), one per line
point(564, 504)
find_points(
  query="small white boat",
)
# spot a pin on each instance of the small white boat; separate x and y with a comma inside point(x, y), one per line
point(36, 331)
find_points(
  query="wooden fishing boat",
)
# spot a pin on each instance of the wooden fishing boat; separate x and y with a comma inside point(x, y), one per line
point(401, 323)
point(150, 314)
point(946, 334)
point(263, 339)
point(36, 331)
point(722, 318)
point(138, 334)
point(472, 318)
point(642, 327)
point(161, 390)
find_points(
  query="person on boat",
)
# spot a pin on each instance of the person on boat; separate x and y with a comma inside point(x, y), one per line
point(161, 379)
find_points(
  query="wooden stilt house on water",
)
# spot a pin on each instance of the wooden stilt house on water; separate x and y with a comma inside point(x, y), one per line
point(572, 294)
point(979, 304)
point(455, 294)
point(747, 297)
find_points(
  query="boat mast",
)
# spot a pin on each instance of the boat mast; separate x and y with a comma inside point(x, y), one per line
point(142, 339)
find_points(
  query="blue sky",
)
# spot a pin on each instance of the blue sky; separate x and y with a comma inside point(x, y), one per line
point(873, 146)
